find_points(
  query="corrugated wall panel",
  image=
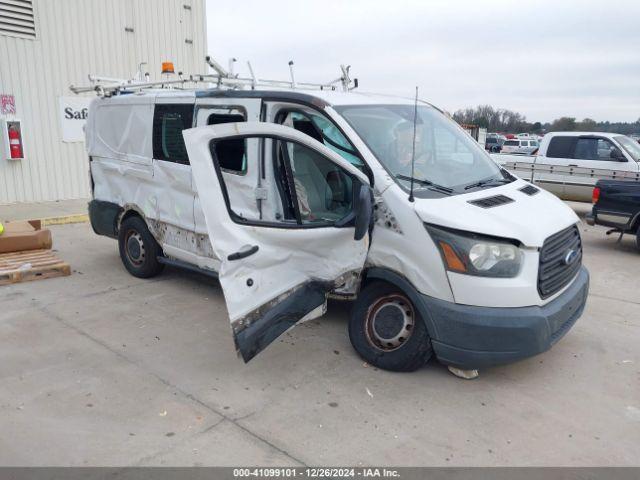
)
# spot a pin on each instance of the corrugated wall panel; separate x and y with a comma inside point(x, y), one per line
point(75, 38)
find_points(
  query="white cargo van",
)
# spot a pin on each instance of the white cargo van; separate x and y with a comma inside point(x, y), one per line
point(290, 197)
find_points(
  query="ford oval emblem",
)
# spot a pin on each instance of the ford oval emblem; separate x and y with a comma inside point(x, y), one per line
point(570, 257)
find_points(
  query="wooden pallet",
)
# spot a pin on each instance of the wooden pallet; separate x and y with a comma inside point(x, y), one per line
point(44, 264)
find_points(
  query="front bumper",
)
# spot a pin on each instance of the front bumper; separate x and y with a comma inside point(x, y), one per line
point(471, 337)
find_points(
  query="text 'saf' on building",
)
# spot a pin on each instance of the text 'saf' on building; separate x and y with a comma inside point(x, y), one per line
point(47, 45)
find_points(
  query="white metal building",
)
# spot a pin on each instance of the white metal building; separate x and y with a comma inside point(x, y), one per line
point(47, 45)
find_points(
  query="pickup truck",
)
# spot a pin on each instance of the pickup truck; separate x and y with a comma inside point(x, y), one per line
point(569, 164)
point(616, 204)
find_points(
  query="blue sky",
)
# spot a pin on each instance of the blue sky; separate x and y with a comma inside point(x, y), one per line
point(543, 58)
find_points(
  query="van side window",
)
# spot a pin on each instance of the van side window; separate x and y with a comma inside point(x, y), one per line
point(218, 118)
point(168, 122)
point(232, 154)
point(561, 147)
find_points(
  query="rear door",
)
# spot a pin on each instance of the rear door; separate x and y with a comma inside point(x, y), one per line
point(278, 266)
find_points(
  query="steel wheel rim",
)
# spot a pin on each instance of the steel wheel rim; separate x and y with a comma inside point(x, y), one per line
point(134, 248)
point(390, 322)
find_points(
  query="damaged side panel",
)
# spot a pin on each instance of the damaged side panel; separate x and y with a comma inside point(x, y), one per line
point(118, 141)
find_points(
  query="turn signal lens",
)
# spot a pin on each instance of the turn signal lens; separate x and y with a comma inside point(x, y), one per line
point(595, 196)
point(453, 261)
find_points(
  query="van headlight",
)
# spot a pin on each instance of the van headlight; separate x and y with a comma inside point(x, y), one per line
point(474, 254)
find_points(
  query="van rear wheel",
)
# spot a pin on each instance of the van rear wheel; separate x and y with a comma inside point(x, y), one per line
point(387, 331)
point(139, 251)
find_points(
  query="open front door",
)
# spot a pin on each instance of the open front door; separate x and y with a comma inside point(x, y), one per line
point(310, 237)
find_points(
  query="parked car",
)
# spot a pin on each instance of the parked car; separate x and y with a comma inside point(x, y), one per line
point(290, 196)
point(616, 204)
point(519, 146)
point(569, 164)
point(494, 144)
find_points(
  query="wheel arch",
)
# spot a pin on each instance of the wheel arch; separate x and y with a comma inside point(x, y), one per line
point(130, 210)
point(133, 210)
point(406, 287)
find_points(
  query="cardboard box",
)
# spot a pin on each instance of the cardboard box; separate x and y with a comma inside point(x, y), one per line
point(19, 236)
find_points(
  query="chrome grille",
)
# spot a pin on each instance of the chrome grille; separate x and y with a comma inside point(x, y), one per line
point(554, 270)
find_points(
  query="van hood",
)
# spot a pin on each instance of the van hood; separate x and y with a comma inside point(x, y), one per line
point(528, 218)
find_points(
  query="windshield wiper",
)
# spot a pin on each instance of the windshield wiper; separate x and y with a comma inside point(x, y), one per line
point(487, 182)
point(427, 183)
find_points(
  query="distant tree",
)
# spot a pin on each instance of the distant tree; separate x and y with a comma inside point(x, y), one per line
point(587, 125)
point(507, 121)
point(494, 120)
point(563, 124)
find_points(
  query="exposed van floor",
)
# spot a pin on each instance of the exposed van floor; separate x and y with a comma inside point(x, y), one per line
point(100, 368)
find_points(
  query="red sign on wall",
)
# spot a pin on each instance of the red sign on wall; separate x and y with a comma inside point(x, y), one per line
point(7, 104)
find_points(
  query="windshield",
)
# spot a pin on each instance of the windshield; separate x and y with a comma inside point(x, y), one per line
point(445, 155)
point(632, 147)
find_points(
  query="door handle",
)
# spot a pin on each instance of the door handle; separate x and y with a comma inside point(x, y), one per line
point(243, 253)
point(573, 165)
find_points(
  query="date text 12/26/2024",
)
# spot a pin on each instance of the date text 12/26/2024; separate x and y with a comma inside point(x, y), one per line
point(311, 472)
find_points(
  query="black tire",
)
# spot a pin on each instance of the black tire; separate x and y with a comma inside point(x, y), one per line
point(139, 251)
point(638, 238)
point(379, 329)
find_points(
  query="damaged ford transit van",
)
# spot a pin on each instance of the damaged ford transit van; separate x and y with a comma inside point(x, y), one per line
point(290, 197)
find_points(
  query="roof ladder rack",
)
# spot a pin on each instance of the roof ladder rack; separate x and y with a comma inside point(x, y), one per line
point(224, 78)
point(107, 86)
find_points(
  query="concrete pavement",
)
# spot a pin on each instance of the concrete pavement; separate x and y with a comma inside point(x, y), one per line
point(44, 210)
point(101, 368)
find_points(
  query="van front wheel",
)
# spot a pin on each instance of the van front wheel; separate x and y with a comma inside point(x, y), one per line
point(387, 331)
point(139, 251)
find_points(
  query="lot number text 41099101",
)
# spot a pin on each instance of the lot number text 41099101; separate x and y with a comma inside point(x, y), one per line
point(313, 472)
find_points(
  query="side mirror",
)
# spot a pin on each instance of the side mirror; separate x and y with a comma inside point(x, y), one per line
point(617, 155)
point(364, 212)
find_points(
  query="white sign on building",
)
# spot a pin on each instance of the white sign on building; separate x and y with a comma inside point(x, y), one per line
point(73, 115)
